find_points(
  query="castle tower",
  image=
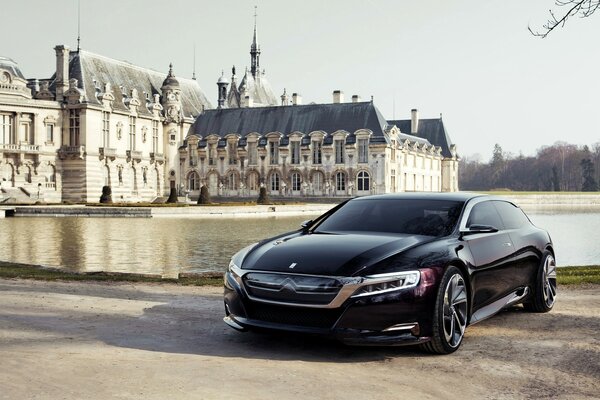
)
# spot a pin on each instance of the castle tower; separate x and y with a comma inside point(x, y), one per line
point(254, 53)
point(171, 98)
point(222, 84)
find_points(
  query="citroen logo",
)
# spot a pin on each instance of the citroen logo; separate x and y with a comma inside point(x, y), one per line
point(292, 265)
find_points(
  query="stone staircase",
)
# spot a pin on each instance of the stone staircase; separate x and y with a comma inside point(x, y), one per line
point(15, 195)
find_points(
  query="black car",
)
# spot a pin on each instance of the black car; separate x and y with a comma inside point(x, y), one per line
point(395, 269)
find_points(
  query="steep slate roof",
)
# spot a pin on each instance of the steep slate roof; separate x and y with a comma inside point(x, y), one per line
point(88, 67)
point(260, 90)
point(287, 119)
point(10, 65)
point(431, 129)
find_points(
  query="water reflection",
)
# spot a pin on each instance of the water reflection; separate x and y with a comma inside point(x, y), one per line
point(171, 245)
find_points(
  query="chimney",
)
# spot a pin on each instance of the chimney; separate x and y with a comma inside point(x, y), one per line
point(338, 96)
point(247, 101)
point(414, 121)
point(296, 99)
point(355, 98)
point(62, 71)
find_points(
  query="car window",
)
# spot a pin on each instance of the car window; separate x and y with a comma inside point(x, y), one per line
point(512, 216)
point(418, 217)
point(485, 213)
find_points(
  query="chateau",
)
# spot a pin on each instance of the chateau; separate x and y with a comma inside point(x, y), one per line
point(101, 122)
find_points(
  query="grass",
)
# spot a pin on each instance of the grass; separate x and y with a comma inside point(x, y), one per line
point(25, 271)
point(566, 275)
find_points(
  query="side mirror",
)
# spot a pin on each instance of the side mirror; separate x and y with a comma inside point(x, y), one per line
point(304, 225)
point(476, 228)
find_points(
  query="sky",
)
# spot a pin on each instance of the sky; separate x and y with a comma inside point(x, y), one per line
point(473, 61)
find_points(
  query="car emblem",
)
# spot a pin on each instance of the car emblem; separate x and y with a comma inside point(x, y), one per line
point(292, 265)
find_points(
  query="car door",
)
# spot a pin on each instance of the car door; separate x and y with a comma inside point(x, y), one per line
point(523, 236)
point(492, 255)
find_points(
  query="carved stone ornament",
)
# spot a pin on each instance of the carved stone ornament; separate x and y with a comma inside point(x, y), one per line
point(173, 114)
point(144, 133)
point(119, 130)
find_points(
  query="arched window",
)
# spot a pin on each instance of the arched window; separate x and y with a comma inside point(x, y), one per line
point(363, 181)
point(193, 181)
point(340, 181)
point(317, 181)
point(232, 181)
point(296, 181)
point(275, 181)
point(252, 181)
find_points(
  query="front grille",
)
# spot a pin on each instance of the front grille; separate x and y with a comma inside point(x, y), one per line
point(299, 316)
point(292, 288)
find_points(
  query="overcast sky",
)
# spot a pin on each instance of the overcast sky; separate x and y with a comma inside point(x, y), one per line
point(472, 60)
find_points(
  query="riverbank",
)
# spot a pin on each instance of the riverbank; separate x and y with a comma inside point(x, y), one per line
point(565, 275)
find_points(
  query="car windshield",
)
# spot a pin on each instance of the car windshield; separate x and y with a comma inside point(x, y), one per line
point(400, 216)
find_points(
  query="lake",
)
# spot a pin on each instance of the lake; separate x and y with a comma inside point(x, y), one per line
point(168, 246)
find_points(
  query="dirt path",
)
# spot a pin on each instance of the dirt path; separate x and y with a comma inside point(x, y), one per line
point(129, 341)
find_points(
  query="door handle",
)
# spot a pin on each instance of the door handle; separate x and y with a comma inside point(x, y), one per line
point(507, 244)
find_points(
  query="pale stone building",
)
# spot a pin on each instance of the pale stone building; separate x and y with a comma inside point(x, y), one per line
point(96, 122)
point(337, 149)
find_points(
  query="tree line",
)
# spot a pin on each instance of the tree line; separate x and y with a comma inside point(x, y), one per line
point(561, 167)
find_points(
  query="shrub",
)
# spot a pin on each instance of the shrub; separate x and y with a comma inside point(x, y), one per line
point(106, 195)
point(263, 196)
point(204, 197)
point(172, 196)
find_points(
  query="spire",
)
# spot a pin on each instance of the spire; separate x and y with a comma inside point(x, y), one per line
point(254, 51)
point(194, 70)
point(78, 24)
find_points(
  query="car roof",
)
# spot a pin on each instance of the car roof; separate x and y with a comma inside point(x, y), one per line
point(454, 196)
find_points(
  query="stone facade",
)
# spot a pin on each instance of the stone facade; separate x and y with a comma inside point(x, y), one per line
point(338, 149)
point(96, 122)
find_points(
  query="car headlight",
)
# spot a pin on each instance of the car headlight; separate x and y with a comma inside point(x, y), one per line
point(385, 283)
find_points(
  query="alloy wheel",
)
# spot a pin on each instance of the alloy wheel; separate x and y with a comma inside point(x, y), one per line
point(455, 310)
point(549, 289)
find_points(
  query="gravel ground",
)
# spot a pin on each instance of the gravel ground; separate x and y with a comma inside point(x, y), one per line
point(157, 341)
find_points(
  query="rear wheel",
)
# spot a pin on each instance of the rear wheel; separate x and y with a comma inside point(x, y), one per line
point(544, 290)
point(450, 314)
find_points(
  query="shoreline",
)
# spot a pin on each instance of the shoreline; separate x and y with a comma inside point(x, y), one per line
point(567, 275)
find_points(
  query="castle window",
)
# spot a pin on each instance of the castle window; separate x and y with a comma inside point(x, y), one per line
point(232, 150)
point(296, 181)
point(295, 152)
point(317, 181)
point(252, 153)
point(340, 181)
point(74, 128)
point(316, 152)
point(273, 153)
point(232, 181)
point(393, 180)
point(132, 133)
point(193, 181)
point(363, 181)
point(50, 133)
point(252, 181)
point(339, 151)
point(105, 129)
point(393, 155)
point(6, 129)
point(275, 181)
point(363, 150)
point(212, 153)
point(155, 137)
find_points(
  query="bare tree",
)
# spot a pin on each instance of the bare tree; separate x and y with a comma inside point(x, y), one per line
point(582, 8)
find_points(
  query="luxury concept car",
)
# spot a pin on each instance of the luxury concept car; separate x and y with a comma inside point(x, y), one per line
point(394, 269)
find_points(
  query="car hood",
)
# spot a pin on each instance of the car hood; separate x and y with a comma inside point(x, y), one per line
point(326, 253)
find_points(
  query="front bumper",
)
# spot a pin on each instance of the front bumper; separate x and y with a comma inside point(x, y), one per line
point(400, 317)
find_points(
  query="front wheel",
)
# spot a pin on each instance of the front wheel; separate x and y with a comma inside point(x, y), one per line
point(544, 290)
point(450, 314)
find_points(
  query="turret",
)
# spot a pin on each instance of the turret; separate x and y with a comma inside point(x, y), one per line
point(222, 84)
point(171, 98)
point(254, 53)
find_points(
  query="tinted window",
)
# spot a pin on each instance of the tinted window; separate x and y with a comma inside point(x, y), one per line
point(512, 216)
point(485, 214)
point(418, 217)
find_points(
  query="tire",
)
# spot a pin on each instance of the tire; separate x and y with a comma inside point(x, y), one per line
point(450, 313)
point(544, 291)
